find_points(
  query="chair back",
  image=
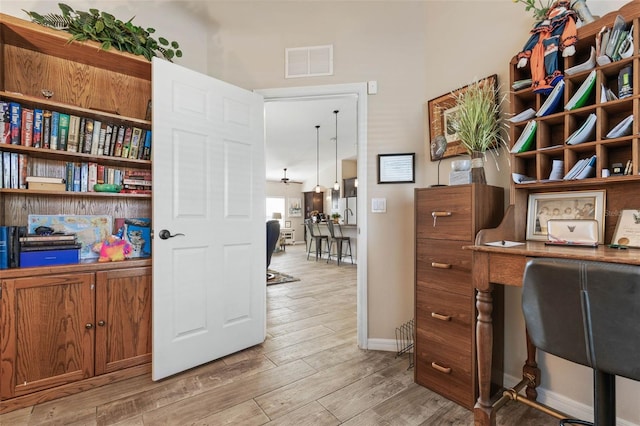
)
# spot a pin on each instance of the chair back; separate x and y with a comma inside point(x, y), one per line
point(586, 312)
point(312, 230)
point(330, 225)
point(273, 234)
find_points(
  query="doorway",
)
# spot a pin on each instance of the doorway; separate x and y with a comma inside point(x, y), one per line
point(360, 91)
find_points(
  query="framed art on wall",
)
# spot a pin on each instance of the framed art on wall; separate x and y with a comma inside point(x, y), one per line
point(575, 205)
point(396, 168)
point(295, 207)
point(440, 113)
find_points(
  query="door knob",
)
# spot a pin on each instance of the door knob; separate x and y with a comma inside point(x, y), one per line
point(165, 234)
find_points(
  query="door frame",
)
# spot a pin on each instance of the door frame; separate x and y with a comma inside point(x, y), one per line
point(360, 90)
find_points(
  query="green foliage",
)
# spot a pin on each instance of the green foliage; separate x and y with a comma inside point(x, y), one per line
point(539, 10)
point(477, 121)
point(108, 31)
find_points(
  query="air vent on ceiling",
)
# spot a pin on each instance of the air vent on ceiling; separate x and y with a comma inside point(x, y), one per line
point(308, 61)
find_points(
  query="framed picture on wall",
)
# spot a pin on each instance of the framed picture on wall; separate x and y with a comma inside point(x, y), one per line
point(396, 168)
point(295, 207)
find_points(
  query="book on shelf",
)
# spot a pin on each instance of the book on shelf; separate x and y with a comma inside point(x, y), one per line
point(88, 135)
point(107, 140)
point(45, 179)
point(84, 177)
point(44, 186)
point(583, 94)
point(526, 138)
point(14, 170)
point(550, 105)
point(585, 132)
point(26, 135)
point(15, 232)
point(15, 111)
point(95, 138)
point(614, 37)
point(527, 114)
point(606, 94)
point(117, 149)
point(4, 247)
point(55, 127)
point(623, 128)
point(37, 128)
point(63, 131)
point(590, 63)
point(93, 176)
point(584, 168)
point(6, 169)
point(5, 123)
point(521, 84)
point(146, 152)
point(46, 129)
point(557, 170)
point(602, 39)
point(126, 142)
point(29, 248)
point(77, 177)
point(520, 178)
point(628, 168)
point(136, 135)
point(50, 239)
point(69, 176)
point(102, 138)
point(23, 167)
point(625, 84)
point(74, 133)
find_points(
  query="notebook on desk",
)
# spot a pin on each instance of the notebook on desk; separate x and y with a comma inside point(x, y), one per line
point(572, 232)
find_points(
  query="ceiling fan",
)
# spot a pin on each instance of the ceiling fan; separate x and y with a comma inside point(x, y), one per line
point(286, 180)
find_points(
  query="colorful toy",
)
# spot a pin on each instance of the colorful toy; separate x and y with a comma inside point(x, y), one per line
point(112, 249)
point(556, 33)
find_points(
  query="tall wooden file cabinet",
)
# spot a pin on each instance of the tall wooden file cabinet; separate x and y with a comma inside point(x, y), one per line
point(447, 219)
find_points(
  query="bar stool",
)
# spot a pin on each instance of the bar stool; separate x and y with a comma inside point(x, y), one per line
point(315, 237)
point(589, 313)
point(339, 239)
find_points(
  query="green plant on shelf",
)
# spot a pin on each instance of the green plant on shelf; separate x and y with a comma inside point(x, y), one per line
point(104, 28)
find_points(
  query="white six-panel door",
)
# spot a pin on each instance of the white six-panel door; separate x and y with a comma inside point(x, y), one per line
point(208, 202)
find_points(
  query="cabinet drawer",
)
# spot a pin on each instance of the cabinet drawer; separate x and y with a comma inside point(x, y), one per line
point(452, 208)
point(443, 265)
point(445, 369)
point(444, 314)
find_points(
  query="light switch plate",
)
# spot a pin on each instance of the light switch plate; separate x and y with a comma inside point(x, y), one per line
point(378, 205)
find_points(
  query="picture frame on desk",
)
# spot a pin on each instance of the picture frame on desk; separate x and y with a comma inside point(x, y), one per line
point(627, 231)
point(564, 205)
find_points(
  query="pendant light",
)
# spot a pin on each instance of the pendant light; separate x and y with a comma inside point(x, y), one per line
point(318, 159)
point(336, 185)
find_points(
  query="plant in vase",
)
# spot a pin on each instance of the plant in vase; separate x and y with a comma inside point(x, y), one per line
point(336, 217)
point(478, 123)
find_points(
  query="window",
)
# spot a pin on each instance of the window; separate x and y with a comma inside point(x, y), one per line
point(275, 205)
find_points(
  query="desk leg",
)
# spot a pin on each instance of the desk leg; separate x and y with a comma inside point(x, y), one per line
point(483, 413)
point(531, 371)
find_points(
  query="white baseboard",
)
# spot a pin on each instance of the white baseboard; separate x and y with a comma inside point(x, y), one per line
point(388, 345)
point(562, 403)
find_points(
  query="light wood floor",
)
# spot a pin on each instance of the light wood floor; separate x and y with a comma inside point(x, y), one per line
point(309, 371)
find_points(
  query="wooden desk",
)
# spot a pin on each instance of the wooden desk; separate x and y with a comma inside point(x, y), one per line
point(505, 266)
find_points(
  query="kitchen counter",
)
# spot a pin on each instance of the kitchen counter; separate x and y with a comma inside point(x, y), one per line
point(347, 231)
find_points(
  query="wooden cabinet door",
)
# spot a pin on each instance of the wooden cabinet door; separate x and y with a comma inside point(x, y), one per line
point(47, 332)
point(123, 319)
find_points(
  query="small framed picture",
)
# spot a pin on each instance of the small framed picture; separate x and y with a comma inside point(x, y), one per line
point(543, 207)
point(295, 207)
point(628, 229)
point(396, 168)
point(287, 224)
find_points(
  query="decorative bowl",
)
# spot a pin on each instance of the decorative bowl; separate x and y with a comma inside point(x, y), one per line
point(106, 187)
point(460, 165)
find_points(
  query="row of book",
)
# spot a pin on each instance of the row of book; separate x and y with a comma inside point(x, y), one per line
point(20, 249)
point(78, 176)
point(41, 128)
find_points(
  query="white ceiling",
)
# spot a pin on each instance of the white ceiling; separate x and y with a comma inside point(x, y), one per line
point(291, 136)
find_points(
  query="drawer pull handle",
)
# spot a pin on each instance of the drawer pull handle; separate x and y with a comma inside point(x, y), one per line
point(436, 215)
point(445, 370)
point(440, 316)
point(440, 265)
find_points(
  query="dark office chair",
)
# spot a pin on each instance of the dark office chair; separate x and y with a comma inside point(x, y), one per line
point(589, 313)
point(315, 237)
point(273, 235)
point(341, 241)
